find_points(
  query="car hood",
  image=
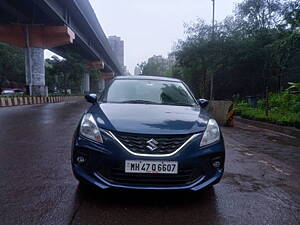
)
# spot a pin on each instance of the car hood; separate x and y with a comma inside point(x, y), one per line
point(150, 119)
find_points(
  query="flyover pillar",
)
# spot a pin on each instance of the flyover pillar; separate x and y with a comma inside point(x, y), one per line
point(86, 83)
point(35, 71)
point(101, 85)
point(34, 39)
point(107, 77)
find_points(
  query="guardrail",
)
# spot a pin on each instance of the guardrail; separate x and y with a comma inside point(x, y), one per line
point(19, 101)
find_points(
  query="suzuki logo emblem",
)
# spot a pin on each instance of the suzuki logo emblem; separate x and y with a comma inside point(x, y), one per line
point(152, 144)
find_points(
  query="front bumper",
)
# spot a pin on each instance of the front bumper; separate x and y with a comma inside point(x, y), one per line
point(102, 160)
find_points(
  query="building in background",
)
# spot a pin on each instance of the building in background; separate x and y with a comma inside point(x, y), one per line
point(156, 59)
point(137, 71)
point(157, 65)
point(117, 45)
point(126, 72)
point(171, 59)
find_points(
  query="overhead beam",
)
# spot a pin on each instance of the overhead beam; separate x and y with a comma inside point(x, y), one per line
point(106, 76)
point(38, 36)
point(97, 65)
point(82, 20)
point(91, 42)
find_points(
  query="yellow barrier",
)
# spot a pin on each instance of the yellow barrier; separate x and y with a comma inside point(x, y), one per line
point(2, 102)
point(18, 101)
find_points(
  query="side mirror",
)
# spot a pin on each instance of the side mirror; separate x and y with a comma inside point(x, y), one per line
point(203, 102)
point(92, 98)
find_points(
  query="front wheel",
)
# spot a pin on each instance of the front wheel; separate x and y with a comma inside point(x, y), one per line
point(82, 186)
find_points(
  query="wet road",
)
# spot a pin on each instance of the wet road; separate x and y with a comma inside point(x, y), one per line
point(261, 184)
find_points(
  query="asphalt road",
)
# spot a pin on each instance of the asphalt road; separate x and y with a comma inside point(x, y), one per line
point(261, 184)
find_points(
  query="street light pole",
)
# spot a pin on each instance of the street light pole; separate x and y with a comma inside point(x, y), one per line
point(213, 38)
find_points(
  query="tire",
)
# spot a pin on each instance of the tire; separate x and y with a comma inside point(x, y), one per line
point(84, 186)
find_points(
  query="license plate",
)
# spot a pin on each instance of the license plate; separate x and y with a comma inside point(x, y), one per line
point(141, 166)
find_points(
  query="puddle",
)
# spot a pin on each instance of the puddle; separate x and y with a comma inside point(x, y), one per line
point(243, 182)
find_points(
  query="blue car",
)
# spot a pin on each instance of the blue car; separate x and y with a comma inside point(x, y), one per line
point(147, 132)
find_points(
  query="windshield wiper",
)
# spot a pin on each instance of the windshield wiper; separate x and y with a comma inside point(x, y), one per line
point(178, 104)
point(185, 104)
point(139, 102)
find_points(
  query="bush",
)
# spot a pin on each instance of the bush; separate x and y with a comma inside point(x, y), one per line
point(284, 109)
point(284, 102)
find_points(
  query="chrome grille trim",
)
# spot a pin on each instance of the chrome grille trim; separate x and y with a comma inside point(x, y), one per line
point(154, 155)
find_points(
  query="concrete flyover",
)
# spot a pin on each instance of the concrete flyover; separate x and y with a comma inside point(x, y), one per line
point(60, 26)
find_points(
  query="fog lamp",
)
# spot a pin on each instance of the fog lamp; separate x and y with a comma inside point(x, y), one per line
point(216, 164)
point(80, 159)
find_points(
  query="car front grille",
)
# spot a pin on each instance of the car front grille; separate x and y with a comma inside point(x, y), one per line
point(184, 177)
point(165, 144)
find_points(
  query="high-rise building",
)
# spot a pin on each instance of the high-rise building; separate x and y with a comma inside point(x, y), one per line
point(156, 59)
point(117, 46)
point(126, 71)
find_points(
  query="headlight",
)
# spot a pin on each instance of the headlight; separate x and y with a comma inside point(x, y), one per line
point(211, 134)
point(89, 128)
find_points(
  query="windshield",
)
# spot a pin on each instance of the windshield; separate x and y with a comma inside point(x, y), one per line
point(149, 92)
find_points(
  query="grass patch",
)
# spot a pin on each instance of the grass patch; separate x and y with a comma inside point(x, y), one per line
point(284, 109)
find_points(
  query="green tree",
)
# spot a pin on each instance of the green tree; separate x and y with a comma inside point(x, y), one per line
point(256, 48)
point(67, 73)
point(12, 64)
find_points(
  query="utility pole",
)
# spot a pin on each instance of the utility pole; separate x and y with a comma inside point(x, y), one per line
point(213, 38)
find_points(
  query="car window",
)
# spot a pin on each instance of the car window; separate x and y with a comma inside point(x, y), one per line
point(149, 92)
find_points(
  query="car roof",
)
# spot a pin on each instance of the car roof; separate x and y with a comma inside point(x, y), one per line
point(143, 77)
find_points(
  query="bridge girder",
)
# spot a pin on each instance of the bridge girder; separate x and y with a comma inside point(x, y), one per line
point(90, 41)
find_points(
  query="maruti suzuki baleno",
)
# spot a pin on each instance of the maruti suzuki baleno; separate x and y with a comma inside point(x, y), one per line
point(147, 133)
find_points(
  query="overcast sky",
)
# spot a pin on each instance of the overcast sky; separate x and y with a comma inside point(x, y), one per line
point(151, 27)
